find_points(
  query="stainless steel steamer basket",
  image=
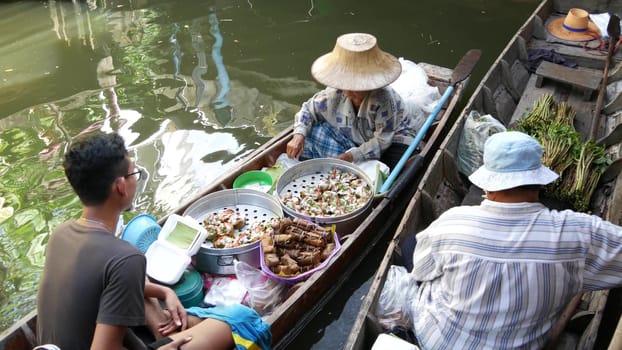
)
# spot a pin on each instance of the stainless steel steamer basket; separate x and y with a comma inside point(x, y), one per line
point(309, 172)
point(253, 205)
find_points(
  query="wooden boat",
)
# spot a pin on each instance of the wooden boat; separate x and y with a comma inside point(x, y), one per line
point(507, 92)
point(303, 303)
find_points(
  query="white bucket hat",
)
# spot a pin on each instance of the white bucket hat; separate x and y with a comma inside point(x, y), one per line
point(511, 159)
point(357, 64)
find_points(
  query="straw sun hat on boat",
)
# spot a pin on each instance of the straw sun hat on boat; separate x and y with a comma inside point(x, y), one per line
point(357, 64)
point(576, 26)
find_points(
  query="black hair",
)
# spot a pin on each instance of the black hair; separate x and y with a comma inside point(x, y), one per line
point(92, 164)
point(531, 187)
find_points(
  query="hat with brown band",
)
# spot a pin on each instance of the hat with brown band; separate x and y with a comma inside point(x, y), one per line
point(357, 64)
point(576, 26)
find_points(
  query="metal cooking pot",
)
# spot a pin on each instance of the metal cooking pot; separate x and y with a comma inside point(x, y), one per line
point(221, 261)
point(309, 172)
point(253, 205)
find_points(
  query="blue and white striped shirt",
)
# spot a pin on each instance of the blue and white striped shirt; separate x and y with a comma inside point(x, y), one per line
point(498, 275)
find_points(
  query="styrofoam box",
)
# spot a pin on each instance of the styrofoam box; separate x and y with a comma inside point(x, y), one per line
point(170, 254)
point(386, 341)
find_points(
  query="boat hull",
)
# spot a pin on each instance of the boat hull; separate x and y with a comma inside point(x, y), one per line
point(507, 91)
point(289, 318)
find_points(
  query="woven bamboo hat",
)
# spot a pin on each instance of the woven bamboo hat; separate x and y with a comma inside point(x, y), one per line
point(576, 26)
point(357, 64)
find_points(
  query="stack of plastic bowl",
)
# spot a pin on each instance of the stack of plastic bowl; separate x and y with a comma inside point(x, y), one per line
point(141, 231)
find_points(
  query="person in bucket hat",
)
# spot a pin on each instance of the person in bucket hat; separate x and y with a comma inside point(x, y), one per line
point(511, 161)
point(357, 116)
point(498, 275)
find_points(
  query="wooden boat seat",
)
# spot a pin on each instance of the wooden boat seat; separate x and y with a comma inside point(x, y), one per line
point(587, 79)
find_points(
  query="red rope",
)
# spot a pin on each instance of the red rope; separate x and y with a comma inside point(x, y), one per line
point(598, 50)
point(602, 48)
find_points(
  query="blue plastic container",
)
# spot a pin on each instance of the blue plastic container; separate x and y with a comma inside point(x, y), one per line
point(141, 231)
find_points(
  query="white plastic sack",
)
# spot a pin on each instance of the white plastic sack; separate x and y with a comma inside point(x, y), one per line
point(475, 132)
point(419, 98)
point(613, 90)
point(394, 308)
point(286, 162)
point(225, 291)
point(265, 294)
point(372, 168)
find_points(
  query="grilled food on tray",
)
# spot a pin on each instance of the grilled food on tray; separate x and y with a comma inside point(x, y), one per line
point(296, 246)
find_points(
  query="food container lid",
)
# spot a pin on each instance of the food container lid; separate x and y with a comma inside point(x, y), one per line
point(189, 288)
point(169, 255)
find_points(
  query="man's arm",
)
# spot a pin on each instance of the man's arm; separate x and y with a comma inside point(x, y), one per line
point(424, 266)
point(108, 337)
point(311, 113)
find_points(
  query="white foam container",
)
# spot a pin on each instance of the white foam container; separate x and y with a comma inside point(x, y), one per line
point(386, 341)
point(166, 262)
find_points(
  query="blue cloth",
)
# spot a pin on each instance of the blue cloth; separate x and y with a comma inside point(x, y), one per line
point(324, 141)
point(407, 249)
point(535, 56)
point(249, 331)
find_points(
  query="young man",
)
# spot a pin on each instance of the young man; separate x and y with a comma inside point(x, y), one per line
point(94, 285)
point(498, 275)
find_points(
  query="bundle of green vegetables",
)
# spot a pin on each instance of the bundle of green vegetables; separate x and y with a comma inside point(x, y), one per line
point(578, 163)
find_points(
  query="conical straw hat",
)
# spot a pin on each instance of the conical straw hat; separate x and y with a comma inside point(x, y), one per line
point(357, 64)
point(576, 26)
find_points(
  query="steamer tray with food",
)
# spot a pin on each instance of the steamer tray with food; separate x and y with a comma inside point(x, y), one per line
point(255, 208)
point(326, 191)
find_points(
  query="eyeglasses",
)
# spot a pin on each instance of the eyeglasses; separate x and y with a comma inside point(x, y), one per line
point(138, 174)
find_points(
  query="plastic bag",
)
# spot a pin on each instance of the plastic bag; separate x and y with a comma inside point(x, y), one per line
point(419, 98)
point(264, 293)
point(475, 132)
point(225, 291)
point(394, 304)
point(374, 169)
point(286, 162)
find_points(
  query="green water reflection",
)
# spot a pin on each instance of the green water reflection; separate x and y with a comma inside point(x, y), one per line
point(193, 87)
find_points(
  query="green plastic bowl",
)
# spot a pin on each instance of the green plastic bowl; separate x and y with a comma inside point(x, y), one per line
point(254, 180)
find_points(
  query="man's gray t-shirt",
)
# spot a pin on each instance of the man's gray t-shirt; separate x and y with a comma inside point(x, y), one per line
point(90, 277)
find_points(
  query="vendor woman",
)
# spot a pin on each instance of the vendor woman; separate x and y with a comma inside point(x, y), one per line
point(358, 116)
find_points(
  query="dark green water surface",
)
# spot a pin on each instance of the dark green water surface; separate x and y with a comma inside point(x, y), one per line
point(193, 87)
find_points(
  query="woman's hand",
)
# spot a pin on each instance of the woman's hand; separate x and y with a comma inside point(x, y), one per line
point(295, 145)
point(345, 156)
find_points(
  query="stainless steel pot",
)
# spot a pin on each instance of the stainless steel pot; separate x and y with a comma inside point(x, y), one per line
point(310, 172)
point(253, 205)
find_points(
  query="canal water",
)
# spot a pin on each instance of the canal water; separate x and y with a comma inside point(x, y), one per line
point(193, 86)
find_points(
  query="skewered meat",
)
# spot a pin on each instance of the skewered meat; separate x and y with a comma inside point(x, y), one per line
point(301, 246)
